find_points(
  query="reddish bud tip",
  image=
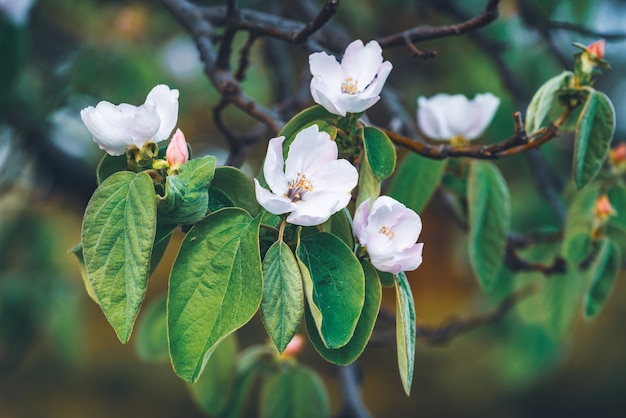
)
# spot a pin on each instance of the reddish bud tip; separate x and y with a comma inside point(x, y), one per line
point(597, 48)
point(603, 208)
point(177, 153)
point(294, 347)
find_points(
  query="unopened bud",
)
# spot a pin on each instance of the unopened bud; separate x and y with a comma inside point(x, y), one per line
point(177, 153)
point(603, 209)
point(597, 48)
point(294, 347)
point(617, 158)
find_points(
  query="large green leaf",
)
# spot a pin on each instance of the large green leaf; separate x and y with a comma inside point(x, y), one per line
point(294, 391)
point(489, 220)
point(579, 225)
point(405, 330)
point(304, 119)
point(351, 351)
point(334, 285)
point(215, 385)
point(232, 188)
point(118, 233)
point(215, 287)
point(187, 194)
point(416, 180)
point(380, 151)
point(283, 298)
point(604, 273)
point(151, 335)
point(544, 100)
point(594, 133)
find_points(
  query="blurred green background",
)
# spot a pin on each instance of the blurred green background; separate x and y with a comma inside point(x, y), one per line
point(58, 355)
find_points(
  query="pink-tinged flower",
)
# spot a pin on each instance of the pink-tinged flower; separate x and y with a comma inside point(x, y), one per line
point(603, 209)
point(118, 127)
point(597, 48)
point(617, 158)
point(445, 116)
point(389, 230)
point(312, 184)
point(177, 152)
point(352, 86)
point(294, 347)
point(16, 10)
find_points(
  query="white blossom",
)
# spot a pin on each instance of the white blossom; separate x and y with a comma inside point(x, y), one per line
point(352, 86)
point(16, 10)
point(312, 184)
point(389, 230)
point(118, 127)
point(445, 116)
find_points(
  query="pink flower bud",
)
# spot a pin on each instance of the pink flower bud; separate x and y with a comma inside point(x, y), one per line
point(597, 48)
point(617, 155)
point(603, 209)
point(294, 347)
point(177, 153)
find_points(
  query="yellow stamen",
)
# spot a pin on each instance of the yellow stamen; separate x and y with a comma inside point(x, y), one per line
point(298, 187)
point(350, 86)
point(385, 230)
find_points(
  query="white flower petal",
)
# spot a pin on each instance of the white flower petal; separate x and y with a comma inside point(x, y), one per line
point(274, 165)
point(310, 148)
point(322, 93)
point(359, 222)
point(356, 103)
point(110, 126)
point(411, 258)
point(362, 62)
point(485, 106)
point(315, 211)
point(377, 84)
point(166, 101)
point(145, 124)
point(325, 66)
point(333, 177)
point(273, 203)
point(407, 229)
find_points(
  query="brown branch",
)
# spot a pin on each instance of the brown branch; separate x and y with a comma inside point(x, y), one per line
point(329, 9)
point(517, 264)
point(418, 52)
point(244, 57)
point(442, 334)
point(424, 33)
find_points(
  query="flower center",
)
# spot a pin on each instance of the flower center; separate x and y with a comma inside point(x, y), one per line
point(387, 231)
point(350, 86)
point(298, 187)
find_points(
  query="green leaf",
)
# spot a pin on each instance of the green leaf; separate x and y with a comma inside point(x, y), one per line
point(151, 336)
point(304, 119)
point(617, 197)
point(215, 385)
point(416, 180)
point(294, 391)
point(604, 273)
point(283, 301)
point(118, 232)
point(369, 185)
point(77, 250)
point(110, 165)
point(544, 100)
point(562, 295)
point(13, 49)
point(186, 198)
point(594, 133)
point(489, 220)
point(380, 152)
point(334, 285)
point(351, 351)
point(341, 225)
point(405, 330)
point(161, 241)
point(386, 279)
point(577, 239)
point(215, 287)
point(233, 189)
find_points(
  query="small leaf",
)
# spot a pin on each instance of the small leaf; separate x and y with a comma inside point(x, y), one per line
point(283, 298)
point(215, 287)
point(544, 100)
point(304, 119)
point(151, 340)
point(235, 190)
point(416, 180)
point(186, 198)
point(294, 391)
point(386, 279)
point(77, 250)
point(594, 133)
point(577, 239)
point(604, 273)
point(369, 185)
point(215, 385)
point(351, 351)
point(110, 165)
point(341, 225)
point(334, 285)
point(380, 152)
point(118, 232)
point(405, 330)
point(489, 220)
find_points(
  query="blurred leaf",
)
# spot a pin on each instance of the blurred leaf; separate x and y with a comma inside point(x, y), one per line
point(544, 100)
point(215, 287)
point(562, 295)
point(118, 232)
point(579, 224)
point(334, 284)
point(594, 133)
point(235, 189)
point(604, 272)
point(353, 349)
point(282, 305)
point(13, 51)
point(294, 391)
point(151, 336)
point(380, 151)
point(405, 330)
point(215, 385)
point(416, 180)
point(617, 197)
point(186, 199)
point(489, 220)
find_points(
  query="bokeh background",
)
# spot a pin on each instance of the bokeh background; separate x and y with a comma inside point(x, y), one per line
point(59, 358)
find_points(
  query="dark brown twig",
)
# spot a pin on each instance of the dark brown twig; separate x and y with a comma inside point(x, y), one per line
point(329, 9)
point(574, 27)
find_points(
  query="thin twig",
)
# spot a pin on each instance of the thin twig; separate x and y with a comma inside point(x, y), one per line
point(329, 9)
